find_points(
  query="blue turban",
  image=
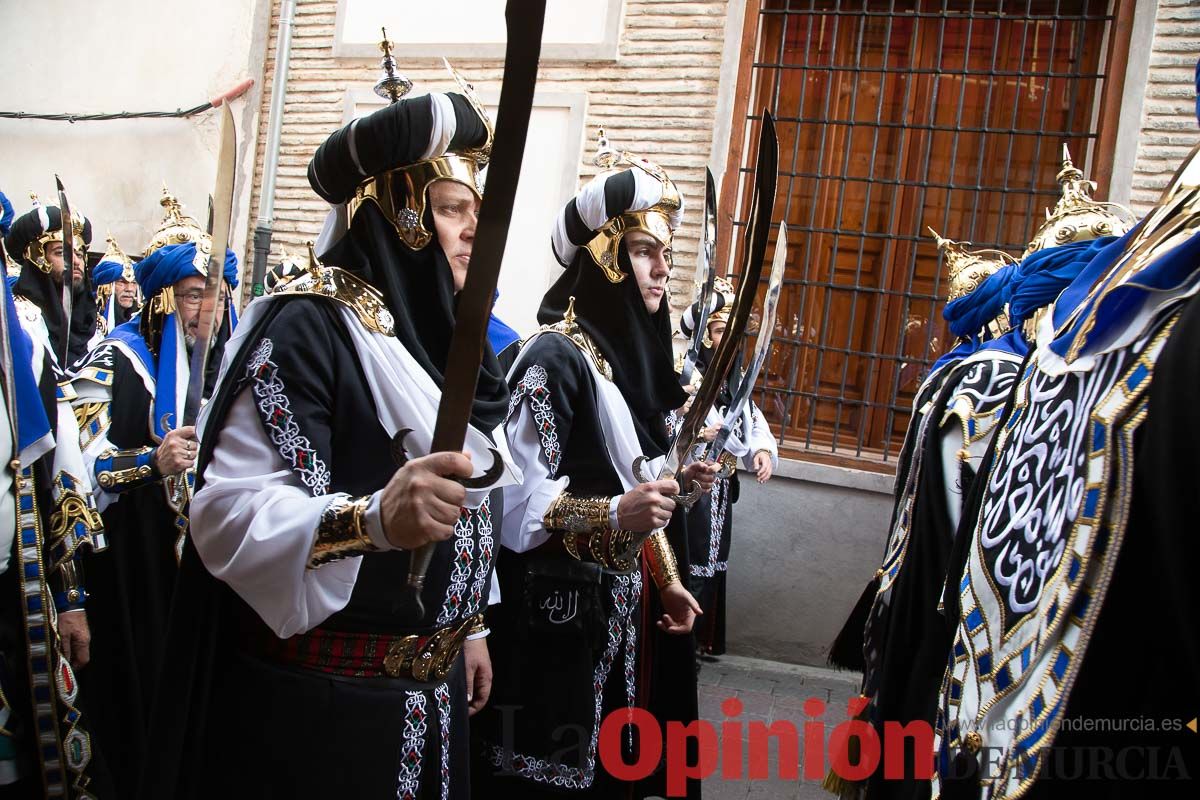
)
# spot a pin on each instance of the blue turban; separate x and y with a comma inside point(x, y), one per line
point(1041, 277)
point(968, 315)
point(7, 215)
point(168, 265)
point(107, 272)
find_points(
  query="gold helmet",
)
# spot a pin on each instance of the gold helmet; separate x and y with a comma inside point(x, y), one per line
point(290, 266)
point(50, 223)
point(659, 220)
point(178, 228)
point(400, 194)
point(968, 269)
point(721, 304)
point(1077, 217)
point(115, 254)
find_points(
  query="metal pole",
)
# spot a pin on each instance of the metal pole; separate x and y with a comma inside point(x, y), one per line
point(262, 227)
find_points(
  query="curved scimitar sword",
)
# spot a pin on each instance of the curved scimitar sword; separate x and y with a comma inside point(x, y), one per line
point(68, 278)
point(706, 275)
point(761, 347)
point(754, 251)
point(524, 20)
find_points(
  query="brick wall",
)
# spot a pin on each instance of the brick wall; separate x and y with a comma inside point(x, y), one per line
point(1169, 127)
point(657, 99)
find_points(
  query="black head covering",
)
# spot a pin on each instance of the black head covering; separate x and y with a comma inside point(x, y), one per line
point(417, 286)
point(636, 343)
point(41, 289)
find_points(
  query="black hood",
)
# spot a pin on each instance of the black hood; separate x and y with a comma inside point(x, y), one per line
point(636, 343)
point(418, 288)
point(43, 291)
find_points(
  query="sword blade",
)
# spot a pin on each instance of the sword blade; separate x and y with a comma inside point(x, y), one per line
point(761, 344)
point(765, 179)
point(211, 307)
point(706, 274)
point(68, 280)
point(524, 20)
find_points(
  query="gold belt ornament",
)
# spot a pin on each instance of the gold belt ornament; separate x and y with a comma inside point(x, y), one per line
point(425, 658)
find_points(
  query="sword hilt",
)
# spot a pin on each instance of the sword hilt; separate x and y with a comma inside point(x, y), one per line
point(413, 608)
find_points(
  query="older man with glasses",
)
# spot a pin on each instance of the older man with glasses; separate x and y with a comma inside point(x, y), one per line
point(130, 396)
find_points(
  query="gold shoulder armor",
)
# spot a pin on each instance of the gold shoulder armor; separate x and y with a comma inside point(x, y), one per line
point(356, 294)
point(568, 328)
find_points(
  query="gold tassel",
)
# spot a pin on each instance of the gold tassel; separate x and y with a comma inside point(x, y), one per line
point(836, 784)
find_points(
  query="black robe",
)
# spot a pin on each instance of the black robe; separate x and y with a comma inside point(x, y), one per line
point(907, 638)
point(1139, 672)
point(849, 647)
point(1124, 731)
point(131, 583)
point(546, 671)
point(710, 521)
point(230, 721)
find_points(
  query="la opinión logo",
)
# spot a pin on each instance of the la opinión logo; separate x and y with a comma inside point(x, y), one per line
point(741, 749)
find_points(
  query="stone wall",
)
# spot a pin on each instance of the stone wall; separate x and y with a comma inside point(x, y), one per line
point(1169, 129)
point(657, 99)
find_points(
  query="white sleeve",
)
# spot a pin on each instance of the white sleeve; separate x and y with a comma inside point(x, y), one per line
point(254, 525)
point(525, 504)
point(760, 438)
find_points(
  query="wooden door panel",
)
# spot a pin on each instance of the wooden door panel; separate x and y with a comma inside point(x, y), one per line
point(890, 122)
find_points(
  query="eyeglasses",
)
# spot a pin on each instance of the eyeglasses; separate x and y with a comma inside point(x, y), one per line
point(193, 298)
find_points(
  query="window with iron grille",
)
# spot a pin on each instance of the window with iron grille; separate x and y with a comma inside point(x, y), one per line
point(895, 116)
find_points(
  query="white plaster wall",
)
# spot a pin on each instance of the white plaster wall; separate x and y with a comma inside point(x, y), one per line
point(127, 55)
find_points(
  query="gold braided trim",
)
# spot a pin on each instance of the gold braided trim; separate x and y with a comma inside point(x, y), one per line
point(663, 566)
point(71, 510)
point(86, 412)
point(341, 533)
point(571, 514)
point(586, 533)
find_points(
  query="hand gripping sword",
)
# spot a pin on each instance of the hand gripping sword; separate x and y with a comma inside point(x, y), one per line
point(68, 280)
point(179, 487)
point(524, 20)
point(766, 176)
point(761, 346)
point(706, 274)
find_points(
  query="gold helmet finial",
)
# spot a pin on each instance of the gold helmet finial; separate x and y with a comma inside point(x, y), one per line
point(314, 264)
point(1077, 216)
point(392, 86)
point(968, 269)
point(178, 228)
point(607, 157)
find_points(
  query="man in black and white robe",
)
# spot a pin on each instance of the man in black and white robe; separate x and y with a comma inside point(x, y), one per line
point(308, 673)
point(582, 632)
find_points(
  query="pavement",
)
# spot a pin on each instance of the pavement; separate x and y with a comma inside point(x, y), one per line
point(771, 692)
